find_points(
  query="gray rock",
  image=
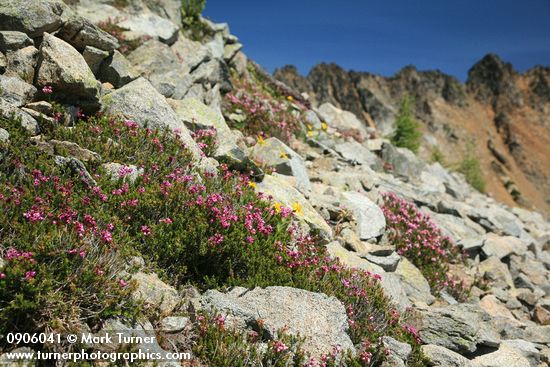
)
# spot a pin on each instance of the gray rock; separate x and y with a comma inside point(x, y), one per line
point(140, 102)
point(504, 356)
point(7, 111)
point(388, 263)
point(142, 330)
point(190, 53)
point(113, 171)
point(322, 320)
point(343, 121)
point(174, 324)
point(94, 57)
point(62, 67)
point(22, 63)
point(151, 25)
point(3, 63)
point(502, 247)
point(311, 118)
point(70, 149)
point(354, 152)
point(275, 154)
point(537, 334)
point(213, 72)
point(230, 50)
point(495, 272)
point(80, 32)
point(285, 194)
point(117, 70)
point(369, 217)
point(352, 260)
point(13, 40)
point(16, 91)
point(460, 328)
point(32, 17)
point(414, 283)
point(397, 348)
point(4, 137)
point(160, 65)
point(403, 162)
point(393, 287)
point(527, 349)
point(443, 357)
point(154, 292)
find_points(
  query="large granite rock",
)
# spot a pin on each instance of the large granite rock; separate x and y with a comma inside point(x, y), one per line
point(369, 217)
point(33, 17)
point(160, 65)
point(344, 121)
point(403, 162)
point(320, 319)
point(117, 70)
point(140, 102)
point(460, 328)
point(14, 40)
point(80, 32)
point(63, 68)
point(154, 292)
point(150, 25)
point(7, 111)
point(16, 91)
point(275, 154)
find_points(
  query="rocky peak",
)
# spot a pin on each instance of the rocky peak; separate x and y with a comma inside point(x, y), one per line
point(492, 80)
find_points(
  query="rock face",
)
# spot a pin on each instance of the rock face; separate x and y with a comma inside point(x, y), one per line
point(323, 319)
point(63, 68)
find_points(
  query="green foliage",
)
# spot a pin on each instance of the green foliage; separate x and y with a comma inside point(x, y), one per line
point(190, 227)
point(438, 156)
point(406, 133)
point(191, 10)
point(53, 276)
point(471, 169)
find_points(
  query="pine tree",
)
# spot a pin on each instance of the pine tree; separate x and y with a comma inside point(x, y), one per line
point(406, 133)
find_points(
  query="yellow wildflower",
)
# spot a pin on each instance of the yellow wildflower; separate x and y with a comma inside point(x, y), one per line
point(252, 184)
point(283, 155)
point(277, 206)
point(309, 127)
point(261, 140)
point(297, 208)
point(290, 98)
point(324, 126)
point(310, 133)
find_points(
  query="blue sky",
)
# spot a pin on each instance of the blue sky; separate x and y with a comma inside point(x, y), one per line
point(385, 35)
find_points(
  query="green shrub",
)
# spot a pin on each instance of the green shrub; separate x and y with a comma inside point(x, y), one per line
point(471, 169)
point(406, 133)
point(417, 238)
point(438, 156)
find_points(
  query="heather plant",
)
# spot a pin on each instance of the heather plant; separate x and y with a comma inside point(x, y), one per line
point(418, 238)
point(266, 112)
point(67, 233)
point(127, 45)
point(406, 133)
point(57, 272)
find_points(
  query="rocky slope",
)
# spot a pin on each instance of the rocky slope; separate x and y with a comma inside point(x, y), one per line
point(369, 253)
point(503, 112)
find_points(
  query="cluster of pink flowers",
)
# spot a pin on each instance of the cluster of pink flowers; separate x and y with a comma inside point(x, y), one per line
point(419, 239)
point(47, 89)
point(279, 346)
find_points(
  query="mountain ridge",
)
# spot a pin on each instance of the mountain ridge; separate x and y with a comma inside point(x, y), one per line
point(501, 111)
